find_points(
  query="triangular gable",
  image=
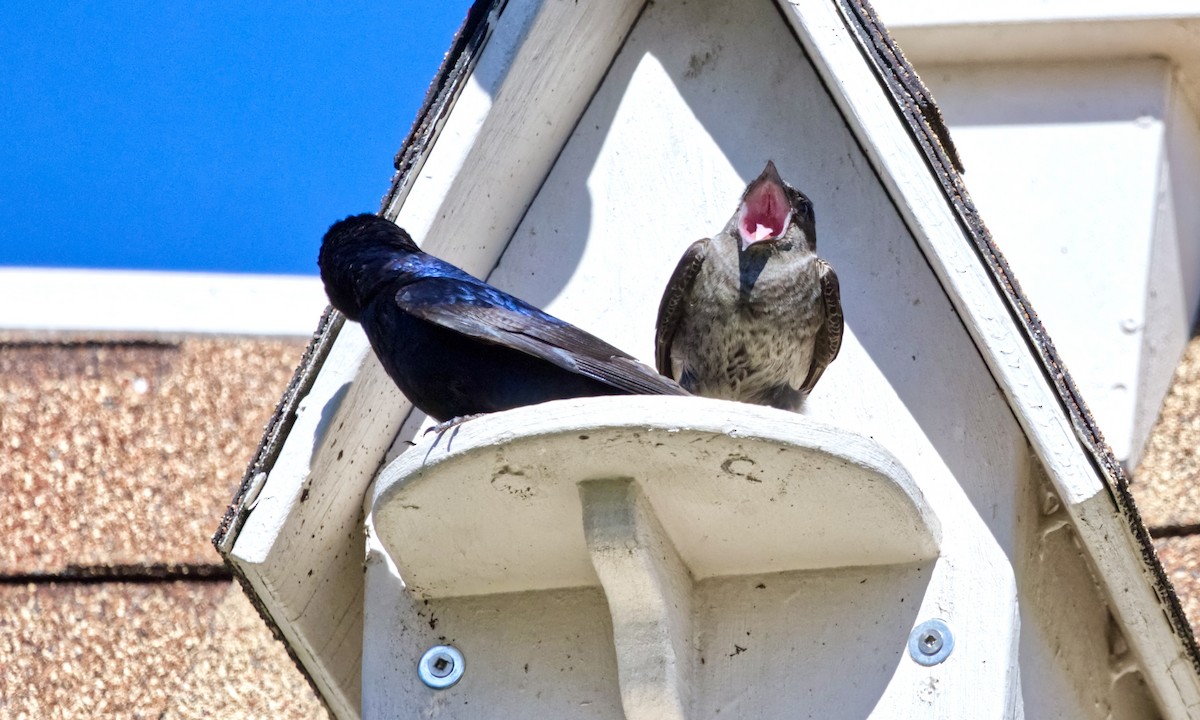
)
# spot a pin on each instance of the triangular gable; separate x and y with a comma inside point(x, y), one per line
point(504, 111)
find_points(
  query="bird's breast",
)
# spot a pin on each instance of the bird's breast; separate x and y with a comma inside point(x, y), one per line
point(784, 289)
point(747, 339)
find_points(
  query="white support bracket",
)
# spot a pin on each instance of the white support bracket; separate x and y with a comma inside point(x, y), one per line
point(659, 557)
point(649, 593)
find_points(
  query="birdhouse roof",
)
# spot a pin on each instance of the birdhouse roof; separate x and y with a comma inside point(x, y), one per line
point(510, 111)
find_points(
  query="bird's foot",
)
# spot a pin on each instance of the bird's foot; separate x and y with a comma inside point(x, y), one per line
point(452, 423)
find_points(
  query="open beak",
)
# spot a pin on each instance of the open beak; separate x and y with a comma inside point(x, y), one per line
point(765, 212)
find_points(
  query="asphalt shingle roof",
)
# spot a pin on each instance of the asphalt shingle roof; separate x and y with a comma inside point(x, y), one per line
point(118, 460)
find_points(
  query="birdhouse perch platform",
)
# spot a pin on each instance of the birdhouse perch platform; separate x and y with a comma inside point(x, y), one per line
point(715, 553)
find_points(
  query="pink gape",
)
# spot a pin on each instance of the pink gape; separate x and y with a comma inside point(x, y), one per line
point(764, 213)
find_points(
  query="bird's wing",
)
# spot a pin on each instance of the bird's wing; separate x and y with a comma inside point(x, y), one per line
point(829, 336)
point(674, 303)
point(482, 312)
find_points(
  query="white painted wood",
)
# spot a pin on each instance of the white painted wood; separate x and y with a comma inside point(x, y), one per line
point(937, 32)
point(537, 654)
point(658, 160)
point(1032, 37)
point(509, 124)
point(941, 31)
point(651, 533)
point(1087, 233)
point(649, 594)
point(548, 653)
point(95, 302)
point(695, 102)
point(1104, 535)
point(1173, 302)
point(944, 12)
point(1067, 86)
point(920, 200)
point(302, 546)
point(734, 503)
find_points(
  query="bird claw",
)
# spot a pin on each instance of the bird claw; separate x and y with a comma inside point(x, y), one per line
point(452, 423)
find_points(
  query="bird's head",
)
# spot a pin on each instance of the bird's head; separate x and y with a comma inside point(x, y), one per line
point(354, 259)
point(771, 211)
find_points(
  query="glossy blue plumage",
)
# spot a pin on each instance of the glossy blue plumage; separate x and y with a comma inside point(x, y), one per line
point(454, 344)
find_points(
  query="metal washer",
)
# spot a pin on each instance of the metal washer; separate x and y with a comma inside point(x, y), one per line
point(441, 666)
point(931, 642)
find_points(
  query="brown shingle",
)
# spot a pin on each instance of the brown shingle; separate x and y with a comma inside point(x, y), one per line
point(128, 453)
point(1166, 484)
point(143, 650)
point(98, 650)
point(1180, 557)
point(241, 670)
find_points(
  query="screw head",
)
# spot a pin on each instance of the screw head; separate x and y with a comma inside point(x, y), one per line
point(931, 642)
point(441, 666)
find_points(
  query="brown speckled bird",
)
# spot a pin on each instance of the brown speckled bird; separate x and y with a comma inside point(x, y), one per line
point(753, 314)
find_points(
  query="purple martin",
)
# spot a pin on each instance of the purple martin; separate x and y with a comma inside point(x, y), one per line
point(753, 314)
point(457, 346)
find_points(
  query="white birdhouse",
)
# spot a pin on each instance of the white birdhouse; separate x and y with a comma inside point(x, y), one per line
point(940, 532)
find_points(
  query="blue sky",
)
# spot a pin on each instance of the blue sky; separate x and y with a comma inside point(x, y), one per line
point(219, 136)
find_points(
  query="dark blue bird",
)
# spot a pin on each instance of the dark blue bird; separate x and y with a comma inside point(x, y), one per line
point(457, 346)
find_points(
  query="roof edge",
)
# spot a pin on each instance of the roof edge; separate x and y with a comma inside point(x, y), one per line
point(277, 429)
point(439, 99)
point(928, 130)
point(445, 86)
point(447, 83)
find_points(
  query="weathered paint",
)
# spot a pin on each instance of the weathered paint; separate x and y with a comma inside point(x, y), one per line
point(715, 529)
